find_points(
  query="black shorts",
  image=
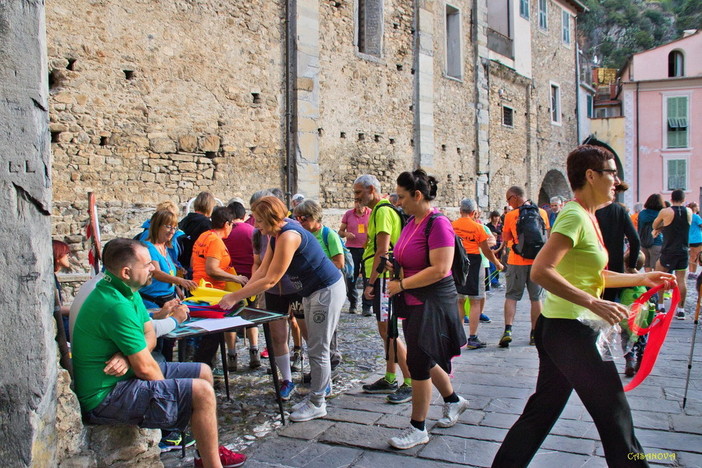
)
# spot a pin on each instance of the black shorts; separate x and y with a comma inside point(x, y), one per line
point(285, 303)
point(472, 287)
point(674, 262)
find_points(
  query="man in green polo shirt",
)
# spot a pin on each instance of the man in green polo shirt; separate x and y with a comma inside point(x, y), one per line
point(117, 380)
point(384, 227)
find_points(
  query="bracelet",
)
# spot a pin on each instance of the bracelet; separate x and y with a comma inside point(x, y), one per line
point(402, 288)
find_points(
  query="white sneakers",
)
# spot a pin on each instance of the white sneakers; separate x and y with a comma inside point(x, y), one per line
point(412, 436)
point(452, 411)
point(680, 314)
point(409, 438)
point(306, 410)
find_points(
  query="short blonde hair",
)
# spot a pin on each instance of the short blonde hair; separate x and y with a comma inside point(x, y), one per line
point(204, 203)
point(269, 211)
point(170, 206)
point(309, 208)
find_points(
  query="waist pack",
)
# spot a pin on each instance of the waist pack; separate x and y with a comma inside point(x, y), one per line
point(531, 231)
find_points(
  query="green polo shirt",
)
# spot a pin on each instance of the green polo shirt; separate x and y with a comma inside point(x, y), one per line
point(380, 220)
point(111, 320)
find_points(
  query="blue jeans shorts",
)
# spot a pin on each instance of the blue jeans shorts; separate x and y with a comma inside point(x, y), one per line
point(154, 404)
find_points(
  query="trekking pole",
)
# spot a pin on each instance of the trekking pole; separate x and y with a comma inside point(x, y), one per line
point(692, 346)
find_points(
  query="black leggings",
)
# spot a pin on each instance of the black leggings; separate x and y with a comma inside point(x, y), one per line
point(568, 360)
point(418, 362)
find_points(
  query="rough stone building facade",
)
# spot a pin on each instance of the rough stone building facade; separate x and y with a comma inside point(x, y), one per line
point(159, 100)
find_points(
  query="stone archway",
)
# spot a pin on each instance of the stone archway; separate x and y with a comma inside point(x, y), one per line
point(554, 184)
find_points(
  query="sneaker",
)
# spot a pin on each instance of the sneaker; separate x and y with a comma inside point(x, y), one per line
point(381, 386)
point(680, 314)
point(352, 309)
point(466, 319)
point(506, 339)
point(298, 405)
point(485, 319)
point(296, 361)
point(286, 389)
point(254, 358)
point(401, 395)
point(409, 438)
point(532, 342)
point(171, 441)
point(452, 411)
point(228, 458)
point(232, 362)
point(475, 343)
point(367, 313)
point(218, 373)
point(308, 411)
point(264, 353)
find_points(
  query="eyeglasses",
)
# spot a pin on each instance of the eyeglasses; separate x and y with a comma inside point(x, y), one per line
point(510, 197)
point(614, 173)
point(302, 219)
point(170, 228)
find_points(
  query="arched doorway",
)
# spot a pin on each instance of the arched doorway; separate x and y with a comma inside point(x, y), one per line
point(554, 184)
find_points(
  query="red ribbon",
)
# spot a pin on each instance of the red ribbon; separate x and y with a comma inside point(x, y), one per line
point(657, 330)
point(214, 311)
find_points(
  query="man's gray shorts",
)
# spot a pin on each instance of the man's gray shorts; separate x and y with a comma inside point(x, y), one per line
point(517, 279)
point(154, 404)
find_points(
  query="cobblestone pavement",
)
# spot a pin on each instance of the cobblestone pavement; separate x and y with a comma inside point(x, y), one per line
point(497, 382)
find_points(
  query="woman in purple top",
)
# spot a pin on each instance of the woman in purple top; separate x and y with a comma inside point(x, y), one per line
point(425, 296)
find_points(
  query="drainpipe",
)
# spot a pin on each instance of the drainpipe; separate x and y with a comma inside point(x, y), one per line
point(577, 80)
point(638, 180)
point(290, 182)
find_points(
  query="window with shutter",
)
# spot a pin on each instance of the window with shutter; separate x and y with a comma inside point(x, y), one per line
point(677, 122)
point(676, 174)
point(370, 27)
point(543, 14)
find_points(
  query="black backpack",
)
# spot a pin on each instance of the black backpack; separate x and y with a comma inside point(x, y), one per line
point(531, 231)
point(403, 216)
point(461, 264)
point(645, 231)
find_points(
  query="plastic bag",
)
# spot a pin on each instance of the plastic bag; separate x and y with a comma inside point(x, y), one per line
point(609, 343)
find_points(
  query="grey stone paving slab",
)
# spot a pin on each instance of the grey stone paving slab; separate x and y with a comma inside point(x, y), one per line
point(569, 444)
point(298, 453)
point(461, 451)
point(573, 428)
point(367, 437)
point(390, 460)
point(496, 391)
point(670, 441)
point(307, 430)
point(490, 380)
point(690, 460)
point(393, 420)
point(659, 405)
point(373, 405)
point(651, 420)
point(554, 459)
point(684, 423)
point(349, 415)
point(471, 416)
point(469, 431)
point(502, 420)
point(507, 405)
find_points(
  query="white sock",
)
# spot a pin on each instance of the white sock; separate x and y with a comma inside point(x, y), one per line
point(283, 363)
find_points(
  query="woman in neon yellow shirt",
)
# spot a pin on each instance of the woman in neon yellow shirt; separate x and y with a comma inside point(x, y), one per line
point(571, 267)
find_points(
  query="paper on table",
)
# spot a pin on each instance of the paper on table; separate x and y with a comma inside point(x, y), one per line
point(220, 324)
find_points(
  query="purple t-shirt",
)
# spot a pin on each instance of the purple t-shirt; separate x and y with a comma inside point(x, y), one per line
point(411, 248)
point(358, 226)
point(240, 248)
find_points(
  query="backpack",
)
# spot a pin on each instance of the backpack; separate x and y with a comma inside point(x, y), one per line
point(461, 263)
point(348, 258)
point(531, 231)
point(403, 221)
point(645, 231)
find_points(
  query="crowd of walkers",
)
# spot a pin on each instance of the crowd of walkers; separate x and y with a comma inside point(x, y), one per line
point(395, 258)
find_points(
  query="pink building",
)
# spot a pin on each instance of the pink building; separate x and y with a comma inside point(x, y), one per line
point(662, 105)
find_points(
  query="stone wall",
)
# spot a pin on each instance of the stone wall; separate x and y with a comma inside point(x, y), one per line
point(160, 100)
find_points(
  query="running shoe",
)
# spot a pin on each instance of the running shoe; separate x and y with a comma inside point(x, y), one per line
point(410, 437)
point(680, 314)
point(532, 341)
point(228, 458)
point(309, 411)
point(296, 361)
point(286, 389)
point(485, 319)
point(170, 441)
point(264, 353)
point(401, 395)
point(452, 411)
point(475, 343)
point(506, 339)
point(381, 386)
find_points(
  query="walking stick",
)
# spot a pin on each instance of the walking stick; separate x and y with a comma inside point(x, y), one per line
point(692, 346)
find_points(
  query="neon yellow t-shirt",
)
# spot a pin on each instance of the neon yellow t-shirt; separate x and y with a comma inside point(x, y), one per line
point(381, 219)
point(581, 266)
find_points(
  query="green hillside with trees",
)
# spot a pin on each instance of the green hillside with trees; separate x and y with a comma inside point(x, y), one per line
point(613, 30)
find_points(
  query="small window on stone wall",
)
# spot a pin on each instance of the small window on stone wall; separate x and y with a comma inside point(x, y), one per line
point(369, 27)
point(507, 116)
point(129, 74)
point(453, 42)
